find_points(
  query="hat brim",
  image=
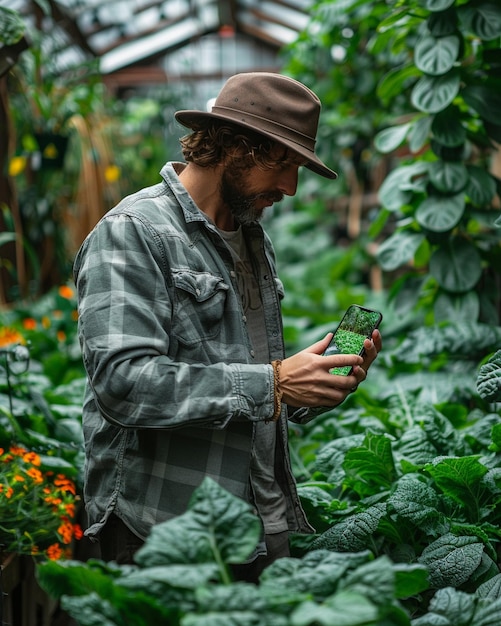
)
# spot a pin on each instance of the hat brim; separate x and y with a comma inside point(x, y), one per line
point(193, 119)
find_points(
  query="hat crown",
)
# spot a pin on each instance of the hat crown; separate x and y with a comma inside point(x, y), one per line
point(271, 102)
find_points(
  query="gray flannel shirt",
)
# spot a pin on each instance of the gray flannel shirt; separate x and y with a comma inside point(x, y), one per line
point(173, 389)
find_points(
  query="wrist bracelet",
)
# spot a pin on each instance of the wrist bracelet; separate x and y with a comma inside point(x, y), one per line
point(276, 389)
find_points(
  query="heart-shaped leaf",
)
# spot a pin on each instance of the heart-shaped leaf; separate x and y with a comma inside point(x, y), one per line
point(390, 139)
point(448, 177)
point(436, 55)
point(448, 129)
point(440, 214)
point(481, 187)
point(396, 188)
point(463, 307)
point(458, 267)
point(484, 19)
point(432, 94)
point(398, 249)
point(484, 100)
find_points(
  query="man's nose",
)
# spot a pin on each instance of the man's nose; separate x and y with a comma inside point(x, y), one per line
point(287, 183)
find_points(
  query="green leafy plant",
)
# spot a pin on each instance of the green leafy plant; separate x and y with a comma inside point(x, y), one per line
point(37, 506)
point(41, 394)
point(183, 576)
point(442, 195)
point(489, 378)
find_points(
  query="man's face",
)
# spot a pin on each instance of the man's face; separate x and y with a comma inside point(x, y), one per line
point(247, 192)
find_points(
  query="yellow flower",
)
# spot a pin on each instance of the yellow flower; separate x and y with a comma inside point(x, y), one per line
point(17, 165)
point(112, 173)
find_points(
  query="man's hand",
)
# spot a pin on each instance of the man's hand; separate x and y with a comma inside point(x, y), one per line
point(305, 378)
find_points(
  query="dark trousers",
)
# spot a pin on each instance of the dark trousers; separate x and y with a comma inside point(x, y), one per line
point(119, 544)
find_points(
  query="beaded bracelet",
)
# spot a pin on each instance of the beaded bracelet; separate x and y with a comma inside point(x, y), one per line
point(277, 391)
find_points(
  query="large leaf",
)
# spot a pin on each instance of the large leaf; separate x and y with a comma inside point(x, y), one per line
point(216, 527)
point(455, 339)
point(448, 177)
point(457, 267)
point(395, 82)
point(436, 55)
point(398, 249)
point(395, 190)
point(419, 133)
point(370, 467)
point(489, 379)
point(452, 607)
point(390, 139)
point(414, 500)
point(481, 187)
point(440, 213)
point(484, 19)
point(346, 608)
point(464, 307)
point(460, 479)
point(353, 533)
point(484, 100)
point(452, 560)
point(432, 94)
point(448, 129)
point(443, 22)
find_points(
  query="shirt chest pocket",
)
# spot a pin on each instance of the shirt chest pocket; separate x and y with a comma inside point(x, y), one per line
point(199, 304)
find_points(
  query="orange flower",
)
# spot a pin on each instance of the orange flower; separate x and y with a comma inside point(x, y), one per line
point(66, 531)
point(66, 292)
point(36, 474)
point(74, 315)
point(77, 531)
point(8, 336)
point(61, 335)
point(18, 478)
point(18, 451)
point(54, 552)
point(46, 322)
point(9, 493)
point(32, 457)
point(70, 509)
point(65, 484)
point(29, 323)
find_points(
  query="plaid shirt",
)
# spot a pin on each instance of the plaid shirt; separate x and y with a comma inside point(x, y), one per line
point(173, 389)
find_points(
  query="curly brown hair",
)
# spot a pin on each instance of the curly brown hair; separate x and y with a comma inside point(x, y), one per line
point(211, 143)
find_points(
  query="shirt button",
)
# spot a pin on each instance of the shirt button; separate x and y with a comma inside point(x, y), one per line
point(232, 273)
point(244, 318)
point(252, 353)
point(198, 292)
point(266, 277)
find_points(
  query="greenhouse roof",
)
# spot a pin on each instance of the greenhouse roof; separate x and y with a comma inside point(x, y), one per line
point(135, 38)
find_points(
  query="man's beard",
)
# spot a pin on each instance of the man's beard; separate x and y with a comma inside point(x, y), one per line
point(243, 207)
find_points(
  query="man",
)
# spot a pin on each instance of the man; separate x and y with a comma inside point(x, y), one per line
point(180, 327)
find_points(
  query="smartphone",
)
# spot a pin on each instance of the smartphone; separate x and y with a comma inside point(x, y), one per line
point(356, 325)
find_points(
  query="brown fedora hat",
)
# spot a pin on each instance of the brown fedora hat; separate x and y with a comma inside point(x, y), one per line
point(273, 105)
